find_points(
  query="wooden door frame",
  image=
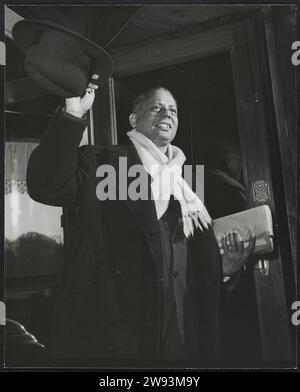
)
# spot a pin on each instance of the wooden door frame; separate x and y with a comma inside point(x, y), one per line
point(250, 82)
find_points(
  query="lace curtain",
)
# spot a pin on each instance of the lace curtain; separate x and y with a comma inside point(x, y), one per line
point(16, 160)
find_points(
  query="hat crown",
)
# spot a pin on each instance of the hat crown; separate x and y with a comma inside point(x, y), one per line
point(55, 45)
point(60, 60)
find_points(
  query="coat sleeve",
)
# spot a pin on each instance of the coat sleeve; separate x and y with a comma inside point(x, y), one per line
point(58, 169)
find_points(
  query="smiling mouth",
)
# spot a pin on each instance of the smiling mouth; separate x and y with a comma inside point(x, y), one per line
point(164, 126)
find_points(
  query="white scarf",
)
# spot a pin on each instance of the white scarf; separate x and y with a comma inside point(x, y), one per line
point(166, 173)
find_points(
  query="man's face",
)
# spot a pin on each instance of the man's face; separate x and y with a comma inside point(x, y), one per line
point(157, 119)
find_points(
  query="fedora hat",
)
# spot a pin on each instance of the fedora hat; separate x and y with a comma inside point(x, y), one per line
point(60, 60)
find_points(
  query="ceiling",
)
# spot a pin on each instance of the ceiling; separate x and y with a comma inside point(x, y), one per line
point(113, 27)
point(134, 22)
point(150, 21)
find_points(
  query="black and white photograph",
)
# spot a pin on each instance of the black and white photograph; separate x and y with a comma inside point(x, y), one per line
point(150, 177)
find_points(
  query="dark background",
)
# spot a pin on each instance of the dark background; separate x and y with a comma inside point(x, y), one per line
point(205, 96)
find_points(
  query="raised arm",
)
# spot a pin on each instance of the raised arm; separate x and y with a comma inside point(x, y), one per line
point(58, 169)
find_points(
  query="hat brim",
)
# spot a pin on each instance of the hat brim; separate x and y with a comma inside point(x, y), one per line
point(25, 31)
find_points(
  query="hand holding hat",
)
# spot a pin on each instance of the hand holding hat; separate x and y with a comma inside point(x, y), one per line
point(61, 60)
point(78, 106)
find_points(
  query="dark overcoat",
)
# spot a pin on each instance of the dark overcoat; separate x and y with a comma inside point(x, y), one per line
point(110, 301)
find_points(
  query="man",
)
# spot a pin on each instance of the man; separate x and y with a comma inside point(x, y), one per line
point(143, 277)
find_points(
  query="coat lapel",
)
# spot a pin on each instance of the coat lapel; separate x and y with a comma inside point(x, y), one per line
point(143, 210)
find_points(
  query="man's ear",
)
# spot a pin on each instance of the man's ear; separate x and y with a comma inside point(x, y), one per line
point(132, 120)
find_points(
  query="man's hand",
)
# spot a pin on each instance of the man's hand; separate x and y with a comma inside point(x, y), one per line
point(78, 106)
point(235, 254)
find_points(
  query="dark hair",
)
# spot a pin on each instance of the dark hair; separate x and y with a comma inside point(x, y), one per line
point(141, 98)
